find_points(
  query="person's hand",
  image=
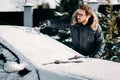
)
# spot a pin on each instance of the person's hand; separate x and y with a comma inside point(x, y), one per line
point(97, 56)
point(44, 23)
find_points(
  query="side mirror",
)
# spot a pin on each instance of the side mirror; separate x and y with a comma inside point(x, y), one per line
point(10, 67)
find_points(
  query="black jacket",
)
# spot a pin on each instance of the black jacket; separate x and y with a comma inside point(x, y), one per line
point(85, 41)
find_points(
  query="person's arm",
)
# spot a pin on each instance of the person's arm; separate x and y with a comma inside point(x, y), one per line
point(100, 43)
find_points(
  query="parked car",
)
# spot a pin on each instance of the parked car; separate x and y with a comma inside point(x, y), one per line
point(26, 54)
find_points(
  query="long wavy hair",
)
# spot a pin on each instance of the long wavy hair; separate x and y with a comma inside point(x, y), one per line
point(89, 11)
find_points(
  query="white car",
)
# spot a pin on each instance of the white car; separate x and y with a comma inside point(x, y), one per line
point(28, 55)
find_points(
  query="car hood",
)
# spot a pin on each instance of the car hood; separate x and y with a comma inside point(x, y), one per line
point(40, 49)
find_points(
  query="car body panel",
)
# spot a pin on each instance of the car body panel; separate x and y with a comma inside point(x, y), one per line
point(40, 49)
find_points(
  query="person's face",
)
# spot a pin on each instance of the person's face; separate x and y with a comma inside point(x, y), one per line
point(81, 16)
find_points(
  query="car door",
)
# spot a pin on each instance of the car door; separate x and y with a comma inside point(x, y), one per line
point(13, 67)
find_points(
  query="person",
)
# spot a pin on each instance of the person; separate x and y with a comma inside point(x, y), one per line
point(87, 36)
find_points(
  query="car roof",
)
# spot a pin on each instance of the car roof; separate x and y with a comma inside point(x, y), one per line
point(41, 49)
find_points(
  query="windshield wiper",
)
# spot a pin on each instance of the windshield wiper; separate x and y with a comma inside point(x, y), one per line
point(77, 57)
point(59, 62)
point(70, 60)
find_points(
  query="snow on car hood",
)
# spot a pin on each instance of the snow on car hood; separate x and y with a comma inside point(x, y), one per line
point(35, 46)
point(40, 49)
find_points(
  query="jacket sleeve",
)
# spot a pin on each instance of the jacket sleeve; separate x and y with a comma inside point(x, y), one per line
point(100, 42)
point(59, 23)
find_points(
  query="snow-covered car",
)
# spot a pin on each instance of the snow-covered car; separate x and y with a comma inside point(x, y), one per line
point(26, 54)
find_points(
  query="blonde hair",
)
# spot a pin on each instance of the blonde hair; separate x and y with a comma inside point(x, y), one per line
point(88, 11)
point(74, 18)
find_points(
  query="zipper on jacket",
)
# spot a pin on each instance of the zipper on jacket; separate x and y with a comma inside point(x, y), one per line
point(82, 38)
point(78, 40)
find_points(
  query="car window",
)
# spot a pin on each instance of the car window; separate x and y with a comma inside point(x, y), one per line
point(7, 54)
point(6, 57)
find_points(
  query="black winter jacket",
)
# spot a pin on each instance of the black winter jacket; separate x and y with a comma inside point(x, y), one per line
point(85, 41)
